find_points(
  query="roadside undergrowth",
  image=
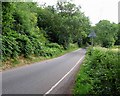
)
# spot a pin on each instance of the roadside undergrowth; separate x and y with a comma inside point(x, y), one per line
point(99, 73)
point(48, 53)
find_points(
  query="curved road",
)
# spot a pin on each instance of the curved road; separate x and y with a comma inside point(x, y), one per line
point(47, 77)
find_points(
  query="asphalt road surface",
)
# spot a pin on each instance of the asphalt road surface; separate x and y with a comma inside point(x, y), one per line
point(46, 77)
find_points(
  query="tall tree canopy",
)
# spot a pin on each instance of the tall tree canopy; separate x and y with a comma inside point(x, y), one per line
point(67, 24)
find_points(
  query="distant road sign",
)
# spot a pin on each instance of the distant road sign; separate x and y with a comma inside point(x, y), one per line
point(92, 34)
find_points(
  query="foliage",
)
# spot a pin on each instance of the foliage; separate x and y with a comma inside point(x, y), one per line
point(99, 73)
point(106, 33)
point(51, 49)
point(118, 35)
point(64, 24)
point(21, 36)
point(10, 47)
point(53, 45)
point(28, 28)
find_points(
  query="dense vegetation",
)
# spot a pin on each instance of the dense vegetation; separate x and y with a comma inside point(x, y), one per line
point(107, 34)
point(29, 29)
point(32, 30)
point(99, 73)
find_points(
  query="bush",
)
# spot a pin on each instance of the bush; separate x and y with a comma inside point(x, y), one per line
point(99, 73)
point(53, 45)
point(25, 45)
point(49, 52)
point(9, 47)
point(37, 46)
point(73, 45)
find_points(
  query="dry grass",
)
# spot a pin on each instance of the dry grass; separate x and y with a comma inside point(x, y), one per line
point(20, 61)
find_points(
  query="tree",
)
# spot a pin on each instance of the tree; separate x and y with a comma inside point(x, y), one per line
point(20, 33)
point(106, 33)
point(28, 28)
point(75, 22)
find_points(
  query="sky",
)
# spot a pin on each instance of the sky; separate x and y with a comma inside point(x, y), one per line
point(96, 10)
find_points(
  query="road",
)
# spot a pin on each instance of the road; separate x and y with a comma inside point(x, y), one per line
point(46, 77)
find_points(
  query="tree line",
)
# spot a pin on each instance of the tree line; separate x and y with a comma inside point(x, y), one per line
point(30, 29)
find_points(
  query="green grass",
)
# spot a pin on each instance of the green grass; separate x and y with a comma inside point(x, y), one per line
point(99, 73)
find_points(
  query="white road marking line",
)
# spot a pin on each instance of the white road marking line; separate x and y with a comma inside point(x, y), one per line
point(63, 77)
